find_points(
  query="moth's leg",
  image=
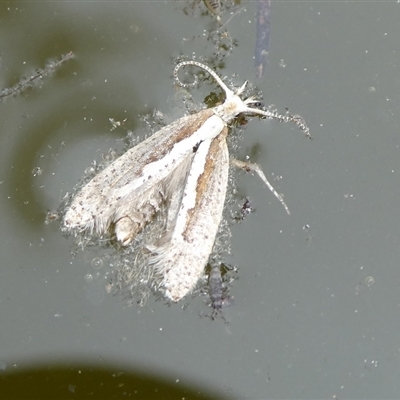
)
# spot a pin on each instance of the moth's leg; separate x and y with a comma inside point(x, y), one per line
point(250, 167)
point(127, 228)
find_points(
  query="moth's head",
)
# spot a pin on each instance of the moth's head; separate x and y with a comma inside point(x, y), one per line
point(234, 105)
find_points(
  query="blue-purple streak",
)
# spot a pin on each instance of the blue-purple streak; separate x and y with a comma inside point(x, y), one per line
point(263, 21)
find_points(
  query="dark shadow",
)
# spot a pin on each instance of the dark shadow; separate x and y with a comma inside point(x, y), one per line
point(84, 381)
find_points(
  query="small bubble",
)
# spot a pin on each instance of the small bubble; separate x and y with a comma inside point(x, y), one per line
point(88, 278)
point(97, 263)
point(369, 281)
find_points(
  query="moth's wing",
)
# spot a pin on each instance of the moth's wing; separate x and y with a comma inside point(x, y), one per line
point(134, 211)
point(139, 169)
point(182, 256)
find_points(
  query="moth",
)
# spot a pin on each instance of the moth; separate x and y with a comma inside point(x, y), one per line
point(185, 165)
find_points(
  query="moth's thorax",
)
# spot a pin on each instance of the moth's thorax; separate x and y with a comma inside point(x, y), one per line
point(231, 108)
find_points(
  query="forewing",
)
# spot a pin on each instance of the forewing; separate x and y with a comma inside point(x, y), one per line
point(136, 174)
point(181, 259)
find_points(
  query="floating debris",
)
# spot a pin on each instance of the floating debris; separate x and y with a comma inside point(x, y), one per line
point(29, 81)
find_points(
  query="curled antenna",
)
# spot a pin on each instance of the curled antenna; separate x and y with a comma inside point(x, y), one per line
point(206, 68)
